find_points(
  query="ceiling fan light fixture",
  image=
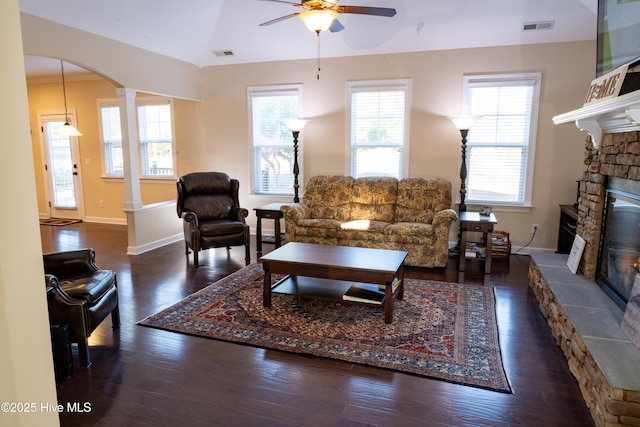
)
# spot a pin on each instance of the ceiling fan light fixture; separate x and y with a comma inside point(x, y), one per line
point(318, 20)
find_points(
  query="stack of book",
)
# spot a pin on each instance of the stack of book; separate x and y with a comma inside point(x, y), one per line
point(500, 244)
point(474, 250)
point(371, 294)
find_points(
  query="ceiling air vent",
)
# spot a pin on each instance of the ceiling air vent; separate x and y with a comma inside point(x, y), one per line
point(544, 25)
point(227, 52)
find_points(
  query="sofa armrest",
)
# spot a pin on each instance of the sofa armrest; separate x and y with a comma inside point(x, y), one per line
point(239, 213)
point(64, 309)
point(191, 218)
point(53, 288)
point(445, 217)
point(295, 212)
point(70, 263)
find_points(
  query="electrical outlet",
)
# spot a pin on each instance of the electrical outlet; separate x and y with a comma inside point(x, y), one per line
point(102, 203)
point(535, 228)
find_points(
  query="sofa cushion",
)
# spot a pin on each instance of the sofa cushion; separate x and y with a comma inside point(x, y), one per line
point(329, 196)
point(318, 227)
point(89, 286)
point(412, 229)
point(374, 199)
point(221, 227)
point(363, 230)
point(419, 198)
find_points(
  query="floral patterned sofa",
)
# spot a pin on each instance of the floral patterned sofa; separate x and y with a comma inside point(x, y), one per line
point(412, 214)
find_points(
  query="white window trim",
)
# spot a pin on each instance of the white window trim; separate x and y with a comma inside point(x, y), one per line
point(490, 80)
point(265, 91)
point(113, 102)
point(374, 86)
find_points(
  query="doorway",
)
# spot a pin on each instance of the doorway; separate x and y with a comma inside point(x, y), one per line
point(62, 171)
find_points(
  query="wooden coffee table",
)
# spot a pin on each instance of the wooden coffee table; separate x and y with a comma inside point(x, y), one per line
point(324, 271)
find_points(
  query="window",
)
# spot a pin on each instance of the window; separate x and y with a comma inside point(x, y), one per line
point(379, 127)
point(155, 135)
point(270, 138)
point(156, 138)
point(501, 144)
point(111, 140)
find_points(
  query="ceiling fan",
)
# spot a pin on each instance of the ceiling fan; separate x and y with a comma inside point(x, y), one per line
point(320, 15)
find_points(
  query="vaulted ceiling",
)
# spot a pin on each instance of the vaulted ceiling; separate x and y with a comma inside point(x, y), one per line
point(197, 31)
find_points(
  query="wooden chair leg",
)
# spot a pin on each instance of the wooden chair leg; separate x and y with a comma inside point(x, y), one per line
point(115, 317)
point(83, 350)
point(195, 257)
point(247, 255)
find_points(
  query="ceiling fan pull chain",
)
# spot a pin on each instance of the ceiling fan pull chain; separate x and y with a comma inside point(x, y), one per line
point(318, 60)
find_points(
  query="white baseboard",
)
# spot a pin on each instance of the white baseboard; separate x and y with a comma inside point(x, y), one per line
point(103, 220)
point(137, 250)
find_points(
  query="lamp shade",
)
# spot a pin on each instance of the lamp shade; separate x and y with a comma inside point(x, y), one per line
point(296, 125)
point(67, 130)
point(463, 122)
point(318, 20)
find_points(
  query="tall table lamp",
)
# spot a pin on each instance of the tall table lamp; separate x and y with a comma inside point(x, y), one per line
point(295, 126)
point(463, 124)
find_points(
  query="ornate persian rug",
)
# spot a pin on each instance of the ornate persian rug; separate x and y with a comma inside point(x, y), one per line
point(445, 331)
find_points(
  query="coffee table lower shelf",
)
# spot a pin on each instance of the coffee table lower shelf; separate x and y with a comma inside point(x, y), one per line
point(329, 289)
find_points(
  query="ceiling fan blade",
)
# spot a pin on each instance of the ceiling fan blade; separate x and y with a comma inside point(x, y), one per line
point(284, 1)
point(365, 10)
point(282, 18)
point(336, 26)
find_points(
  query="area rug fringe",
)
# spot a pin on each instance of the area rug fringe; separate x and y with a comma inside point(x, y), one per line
point(445, 331)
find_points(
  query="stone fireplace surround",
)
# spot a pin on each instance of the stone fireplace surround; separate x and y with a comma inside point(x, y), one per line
point(583, 319)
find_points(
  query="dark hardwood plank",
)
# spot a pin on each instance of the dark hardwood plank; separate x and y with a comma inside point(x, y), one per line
point(142, 376)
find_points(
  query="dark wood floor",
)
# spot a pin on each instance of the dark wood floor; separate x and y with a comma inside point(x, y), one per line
point(142, 376)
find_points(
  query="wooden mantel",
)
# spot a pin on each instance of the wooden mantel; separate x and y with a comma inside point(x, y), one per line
point(621, 114)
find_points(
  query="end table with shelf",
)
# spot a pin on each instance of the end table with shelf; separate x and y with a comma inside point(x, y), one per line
point(474, 222)
point(270, 211)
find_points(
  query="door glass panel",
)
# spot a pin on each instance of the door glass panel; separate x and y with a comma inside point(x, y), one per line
point(61, 167)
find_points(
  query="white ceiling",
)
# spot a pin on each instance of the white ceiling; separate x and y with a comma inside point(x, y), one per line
point(191, 30)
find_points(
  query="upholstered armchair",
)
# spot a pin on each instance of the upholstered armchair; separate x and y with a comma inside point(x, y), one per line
point(80, 295)
point(212, 216)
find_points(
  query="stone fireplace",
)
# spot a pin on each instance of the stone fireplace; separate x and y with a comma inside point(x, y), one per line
point(583, 319)
point(617, 159)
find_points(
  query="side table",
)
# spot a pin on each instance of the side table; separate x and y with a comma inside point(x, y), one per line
point(473, 221)
point(270, 211)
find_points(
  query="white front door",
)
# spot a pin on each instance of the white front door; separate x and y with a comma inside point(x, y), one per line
point(62, 169)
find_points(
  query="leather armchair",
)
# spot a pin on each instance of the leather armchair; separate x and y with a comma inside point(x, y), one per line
point(212, 216)
point(80, 295)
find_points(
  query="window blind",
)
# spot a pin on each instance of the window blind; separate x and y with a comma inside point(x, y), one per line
point(498, 144)
point(271, 139)
point(112, 140)
point(378, 123)
point(156, 135)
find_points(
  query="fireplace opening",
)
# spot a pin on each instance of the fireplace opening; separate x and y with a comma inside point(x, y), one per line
point(619, 250)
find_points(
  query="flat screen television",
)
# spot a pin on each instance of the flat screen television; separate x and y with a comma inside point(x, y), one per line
point(618, 34)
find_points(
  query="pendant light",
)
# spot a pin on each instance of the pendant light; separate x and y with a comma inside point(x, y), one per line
point(66, 129)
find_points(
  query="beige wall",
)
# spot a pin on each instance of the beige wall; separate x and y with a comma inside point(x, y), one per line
point(213, 134)
point(567, 69)
point(45, 95)
point(26, 365)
